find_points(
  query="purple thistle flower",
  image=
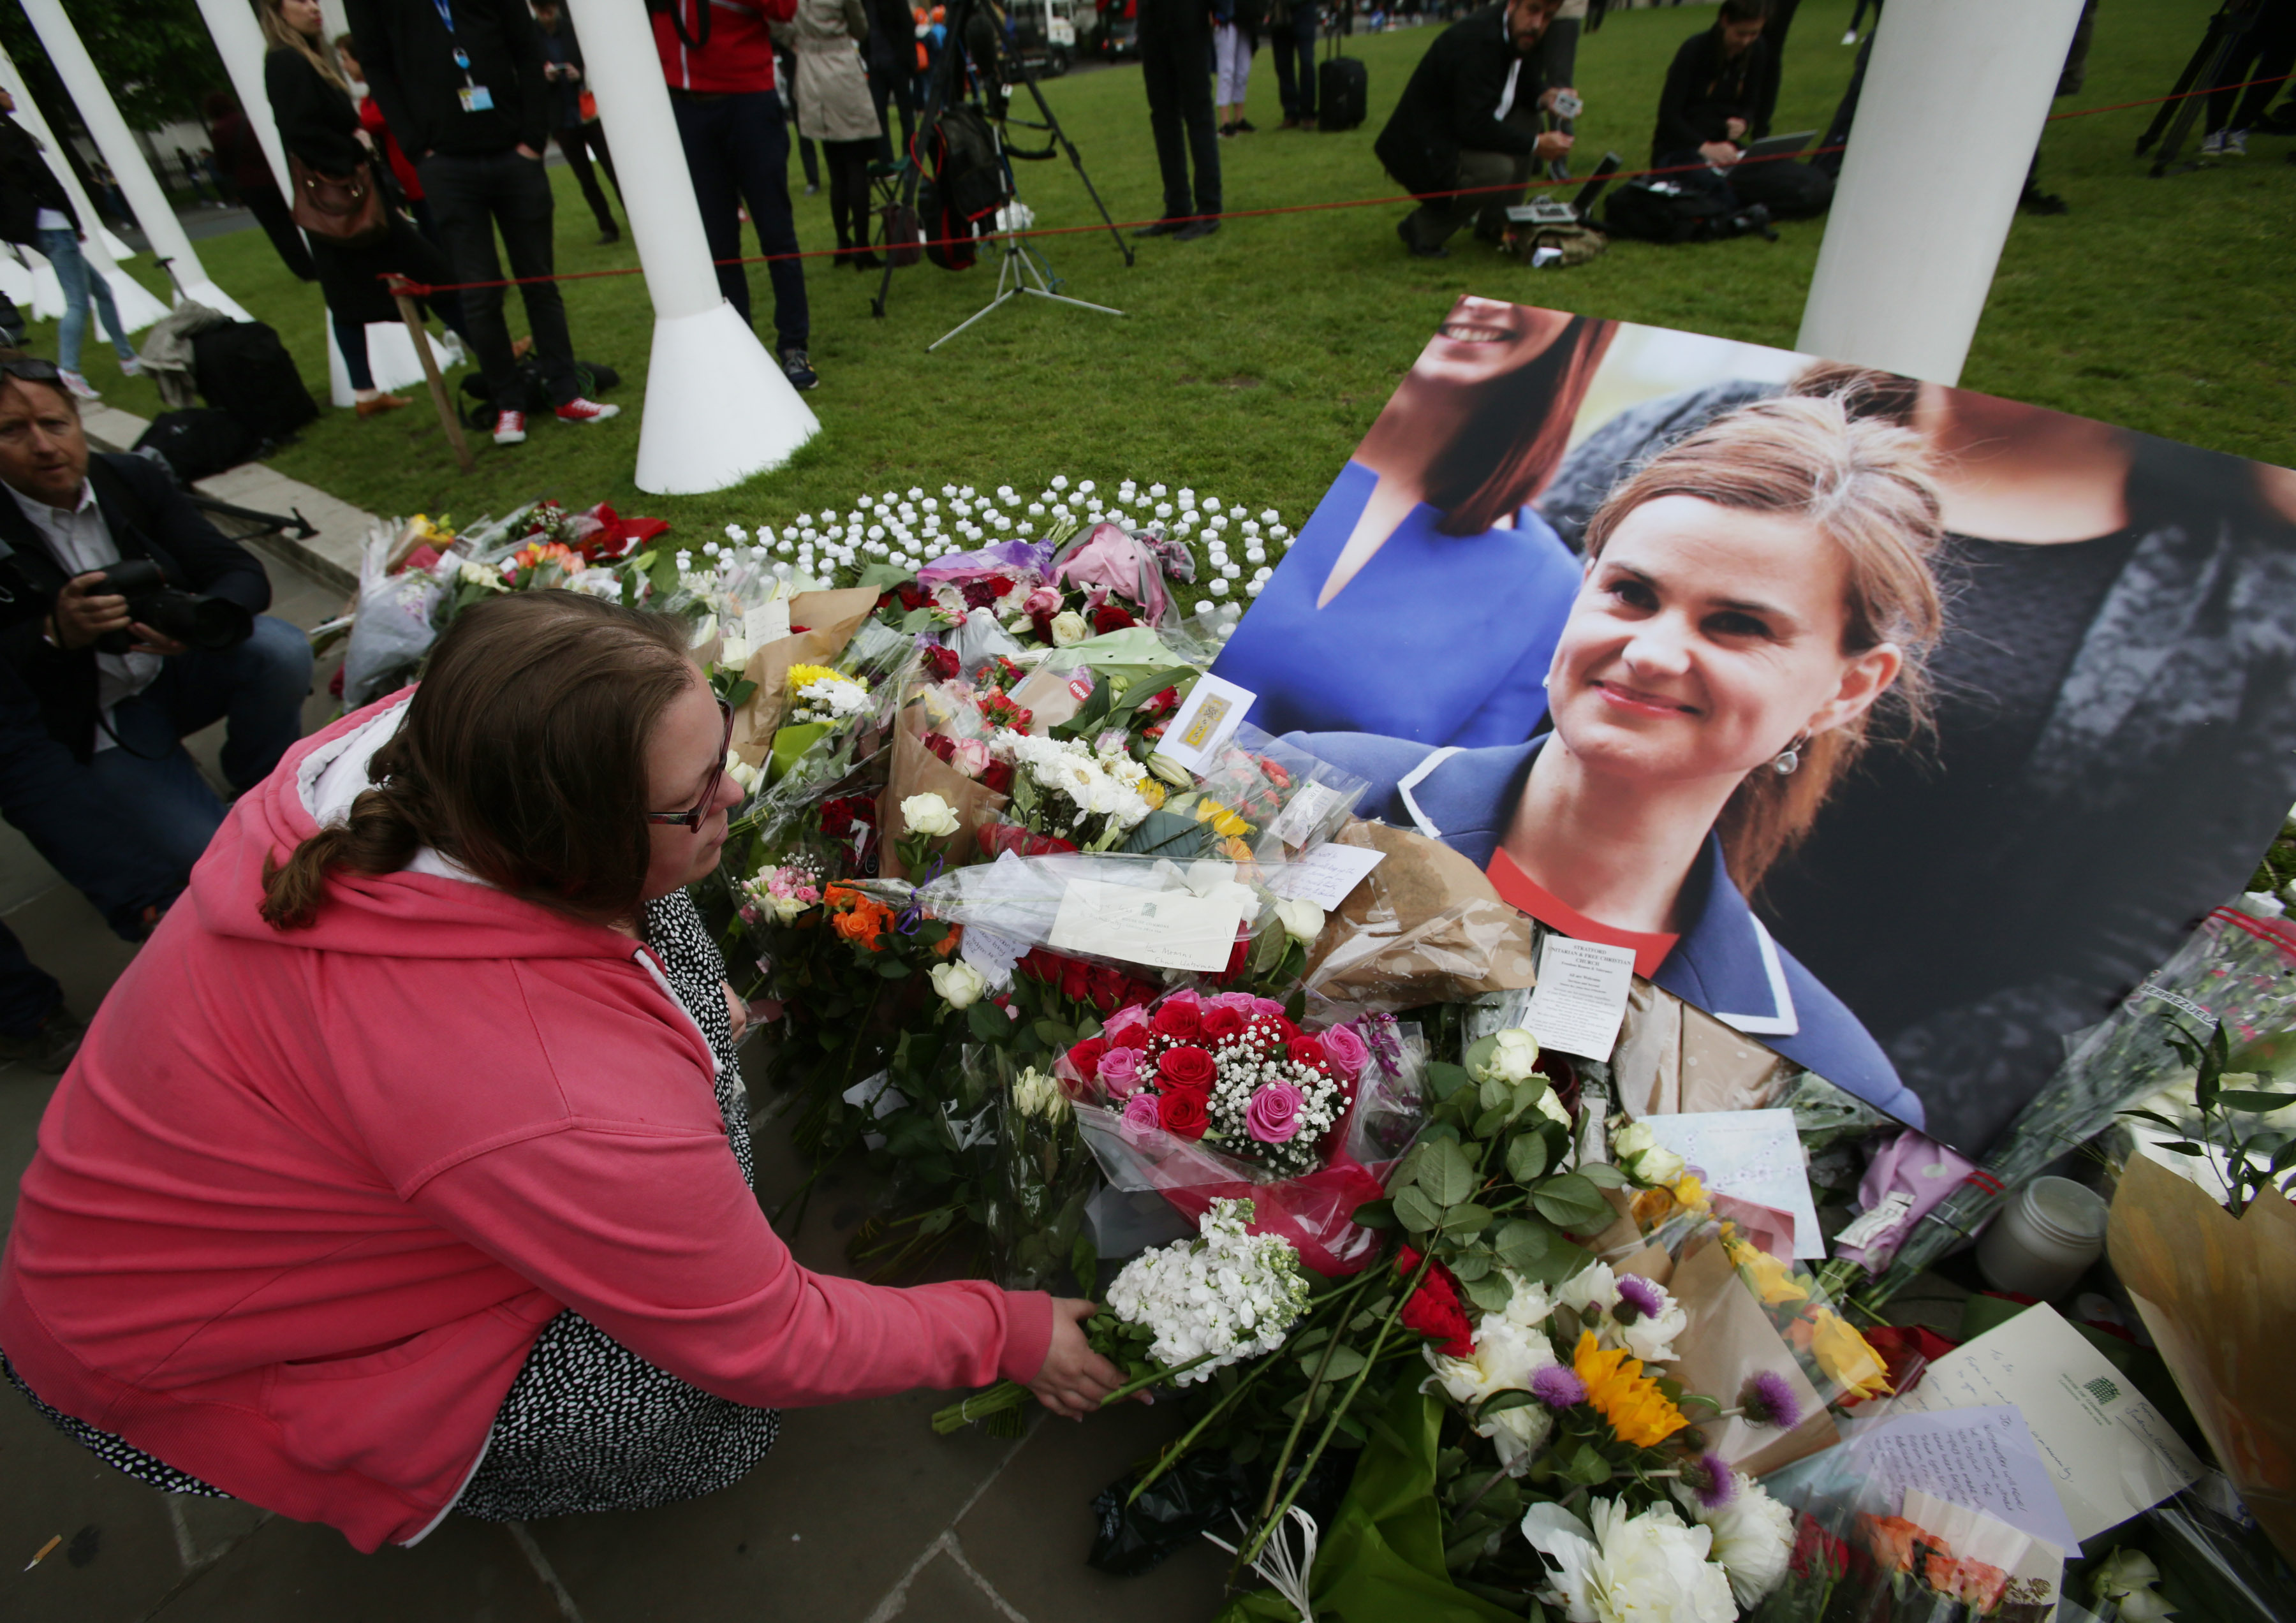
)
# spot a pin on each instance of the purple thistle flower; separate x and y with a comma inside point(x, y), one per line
point(1712, 1479)
point(1767, 1400)
point(1558, 1387)
point(1638, 1298)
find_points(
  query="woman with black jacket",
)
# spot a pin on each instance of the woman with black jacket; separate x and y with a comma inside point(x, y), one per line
point(319, 125)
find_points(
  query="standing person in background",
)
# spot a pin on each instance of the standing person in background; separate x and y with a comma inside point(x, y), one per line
point(2265, 53)
point(191, 177)
point(892, 77)
point(718, 58)
point(578, 133)
point(1292, 34)
point(834, 109)
point(241, 154)
point(402, 169)
point(320, 129)
point(1235, 38)
point(808, 157)
point(1469, 118)
point(36, 212)
point(461, 82)
point(1176, 59)
point(1559, 57)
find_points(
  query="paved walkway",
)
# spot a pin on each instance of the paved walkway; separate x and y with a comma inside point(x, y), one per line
point(861, 1516)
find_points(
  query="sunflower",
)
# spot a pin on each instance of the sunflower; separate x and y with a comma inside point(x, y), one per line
point(1621, 1394)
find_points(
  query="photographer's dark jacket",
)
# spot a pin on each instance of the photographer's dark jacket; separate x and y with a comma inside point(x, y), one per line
point(148, 518)
point(1451, 104)
point(1705, 90)
point(408, 53)
point(27, 186)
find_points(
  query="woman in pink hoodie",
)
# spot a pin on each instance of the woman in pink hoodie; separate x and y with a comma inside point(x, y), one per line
point(407, 1168)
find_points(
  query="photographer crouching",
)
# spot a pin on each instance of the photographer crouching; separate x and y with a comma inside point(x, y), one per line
point(126, 622)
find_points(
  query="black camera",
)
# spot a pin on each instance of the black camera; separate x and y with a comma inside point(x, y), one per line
point(212, 623)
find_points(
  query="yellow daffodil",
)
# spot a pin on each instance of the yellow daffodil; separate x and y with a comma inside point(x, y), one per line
point(1772, 1278)
point(1224, 821)
point(1622, 1395)
point(1846, 1357)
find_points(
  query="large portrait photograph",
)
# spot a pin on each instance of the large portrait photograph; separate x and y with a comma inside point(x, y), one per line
point(1901, 728)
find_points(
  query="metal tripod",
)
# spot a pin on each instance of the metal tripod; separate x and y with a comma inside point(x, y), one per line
point(2226, 31)
point(1014, 275)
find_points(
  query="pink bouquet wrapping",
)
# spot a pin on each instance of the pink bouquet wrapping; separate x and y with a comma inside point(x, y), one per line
point(1225, 1098)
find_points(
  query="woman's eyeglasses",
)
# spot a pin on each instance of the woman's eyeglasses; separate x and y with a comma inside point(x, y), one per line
point(692, 819)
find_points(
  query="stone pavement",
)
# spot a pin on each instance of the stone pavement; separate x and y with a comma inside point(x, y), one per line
point(860, 1515)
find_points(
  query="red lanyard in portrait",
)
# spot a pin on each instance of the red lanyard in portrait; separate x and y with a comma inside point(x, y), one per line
point(474, 97)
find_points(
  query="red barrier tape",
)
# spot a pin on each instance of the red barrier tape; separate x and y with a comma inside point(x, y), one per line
point(398, 284)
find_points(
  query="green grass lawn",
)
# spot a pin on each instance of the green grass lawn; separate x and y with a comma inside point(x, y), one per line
point(1250, 364)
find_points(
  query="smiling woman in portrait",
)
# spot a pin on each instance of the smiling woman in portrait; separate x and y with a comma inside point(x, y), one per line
point(1750, 598)
point(1425, 544)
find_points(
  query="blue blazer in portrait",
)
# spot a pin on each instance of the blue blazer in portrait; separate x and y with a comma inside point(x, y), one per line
point(1444, 639)
point(1724, 962)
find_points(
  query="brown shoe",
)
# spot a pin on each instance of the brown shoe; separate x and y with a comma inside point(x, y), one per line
point(376, 405)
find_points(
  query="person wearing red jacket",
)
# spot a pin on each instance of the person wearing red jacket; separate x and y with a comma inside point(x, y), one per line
point(718, 56)
point(408, 1169)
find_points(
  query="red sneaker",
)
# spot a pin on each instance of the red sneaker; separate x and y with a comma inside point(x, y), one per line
point(578, 410)
point(510, 428)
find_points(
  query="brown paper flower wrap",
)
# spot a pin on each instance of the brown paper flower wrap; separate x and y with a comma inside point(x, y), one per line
point(2217, 1294)
point(830, 620)
point(1424, 927)
point(917, 770)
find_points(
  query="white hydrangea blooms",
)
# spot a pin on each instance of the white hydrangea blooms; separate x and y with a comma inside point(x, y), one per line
point(1225, 1292)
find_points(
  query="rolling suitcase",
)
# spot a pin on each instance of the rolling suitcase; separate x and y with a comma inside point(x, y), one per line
point(1342, 91)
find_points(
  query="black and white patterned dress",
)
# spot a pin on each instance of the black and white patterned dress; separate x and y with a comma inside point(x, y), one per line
point(589, 1425)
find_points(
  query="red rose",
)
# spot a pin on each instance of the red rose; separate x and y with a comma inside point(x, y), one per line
point(1111, 617)
point(1086, 1056)
point(942, 662)
point(996, 777)
point(1041, 622)
point(1075, 983)
point(1182, 1115)
point(1107, 987)
point(913, 596)
point(1185, 1070)
point(1219, 1023)
point(1181, 1020)
point(1434, 1310)
point(1131, 1036)
point(980, 593)
point(1306, 1051)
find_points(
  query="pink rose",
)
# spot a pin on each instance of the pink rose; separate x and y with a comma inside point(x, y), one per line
point(1242, 1003)
point(1122, 1025)
point(1273, 1116)
point(1044, 600)
point(969, 756)
point(1268, 1007)
point(1347, 1052)
point(1120, 1070)
point(1140, 1116)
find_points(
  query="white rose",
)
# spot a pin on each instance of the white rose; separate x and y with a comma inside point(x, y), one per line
point(927, 813)
point(1753, 1537)
point(1639, 1151)
point(1513, 1057)
point(959, 984)
point(1303, 920)
point(787, 907)
point(1507, 1355)
point(1068, 627)
point(740, 772)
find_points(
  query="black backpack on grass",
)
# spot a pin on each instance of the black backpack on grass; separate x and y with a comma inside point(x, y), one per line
point(963, 186)
point(1665, 211)
point(242, 367)
point(198, 443)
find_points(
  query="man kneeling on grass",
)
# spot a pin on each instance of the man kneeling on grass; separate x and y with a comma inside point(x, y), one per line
point(1470, 120)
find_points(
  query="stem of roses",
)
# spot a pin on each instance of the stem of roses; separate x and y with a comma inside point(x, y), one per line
point(1276, 1511)
point(1308, 1402)
point(1154, 1376)
point(1178, 1450)
point(1475, 1498)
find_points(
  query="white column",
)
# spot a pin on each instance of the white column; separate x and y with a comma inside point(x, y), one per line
point(717, 406)
point(238, 40)
point(1955, 94)
point(85, 85)
point(137, 305)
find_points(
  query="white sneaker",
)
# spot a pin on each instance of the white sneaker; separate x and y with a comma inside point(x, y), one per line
point(78, 385)
point(2225, 144)
point(131, 366)
point(1850, 39)
point(510, 428)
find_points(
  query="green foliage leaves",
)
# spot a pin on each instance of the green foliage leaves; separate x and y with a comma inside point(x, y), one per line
point(1571, 1201)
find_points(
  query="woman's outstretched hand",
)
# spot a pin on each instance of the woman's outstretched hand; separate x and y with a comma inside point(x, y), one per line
point(1074, 1378)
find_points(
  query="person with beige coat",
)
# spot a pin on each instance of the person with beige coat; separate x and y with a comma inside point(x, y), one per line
point(834, 107)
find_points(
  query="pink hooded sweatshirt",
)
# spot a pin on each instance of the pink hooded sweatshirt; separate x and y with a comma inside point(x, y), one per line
point(307, 1197)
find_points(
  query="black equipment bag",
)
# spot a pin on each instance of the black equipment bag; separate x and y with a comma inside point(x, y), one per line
point(243, 369)
point(1342, 91)
point(963, 186)
point(1667, 211)
point(198, 443)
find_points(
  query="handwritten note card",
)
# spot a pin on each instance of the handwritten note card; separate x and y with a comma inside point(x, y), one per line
point(1984, 1458)
point(1754, 1155)
point(1169, 928)
point(1581, 996)
point(1325, 875)
point(2108, 1452)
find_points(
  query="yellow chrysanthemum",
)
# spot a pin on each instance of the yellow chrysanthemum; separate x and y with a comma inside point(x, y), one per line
point(1847, 1358)
point(802, 677)
point(1621, 1394)
point(1152, 792)
point(1772, 1278)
